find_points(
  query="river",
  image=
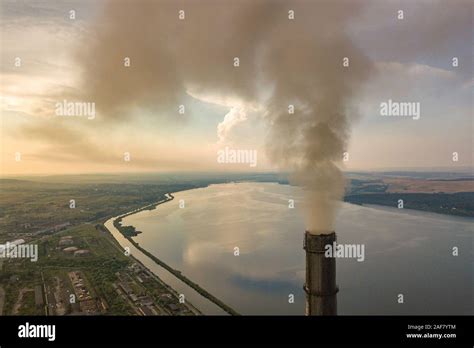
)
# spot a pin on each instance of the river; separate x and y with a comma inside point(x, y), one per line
point(242, 243)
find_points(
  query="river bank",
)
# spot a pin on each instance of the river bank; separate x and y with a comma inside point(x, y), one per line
point(200, 240)
point(116, 224)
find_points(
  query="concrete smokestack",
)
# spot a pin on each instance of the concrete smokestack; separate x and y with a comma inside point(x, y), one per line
point(320, 287)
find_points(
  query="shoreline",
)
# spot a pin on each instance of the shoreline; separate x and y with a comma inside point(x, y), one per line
point(117, 244)
point(202, 292)
point(116, 222)
point(411, 211)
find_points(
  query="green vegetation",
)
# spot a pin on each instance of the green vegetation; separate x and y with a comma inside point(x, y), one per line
point(39, 211)
point(125, 230)
point(130, 231)
point(185, 279)
point(99, 267)
point(367, 186)
point(461, 204)
point(37, 208)
point(41, 206)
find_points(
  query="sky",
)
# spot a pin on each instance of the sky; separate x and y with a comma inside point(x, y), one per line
point(47, 58)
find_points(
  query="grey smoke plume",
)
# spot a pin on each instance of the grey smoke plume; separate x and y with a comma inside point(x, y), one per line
point(307, 71)
point(282, 62)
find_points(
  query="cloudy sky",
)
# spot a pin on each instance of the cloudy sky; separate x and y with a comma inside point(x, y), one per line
point(50, 55)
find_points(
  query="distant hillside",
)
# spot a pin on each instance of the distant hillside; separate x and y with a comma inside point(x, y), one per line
point(461, 203)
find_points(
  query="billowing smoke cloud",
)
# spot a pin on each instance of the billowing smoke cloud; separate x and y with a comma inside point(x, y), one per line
point(305, 66)
point(169, 56)
point(235, 116)
point(282, 61)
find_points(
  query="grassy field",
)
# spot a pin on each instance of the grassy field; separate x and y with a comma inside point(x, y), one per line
point(433, 193)
point(28, 207)
point(40, 212)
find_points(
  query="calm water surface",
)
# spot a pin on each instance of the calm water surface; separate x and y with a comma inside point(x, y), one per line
point(406, 252)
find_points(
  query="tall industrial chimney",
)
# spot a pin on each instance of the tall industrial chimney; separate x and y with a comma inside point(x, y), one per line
point(320, 287)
